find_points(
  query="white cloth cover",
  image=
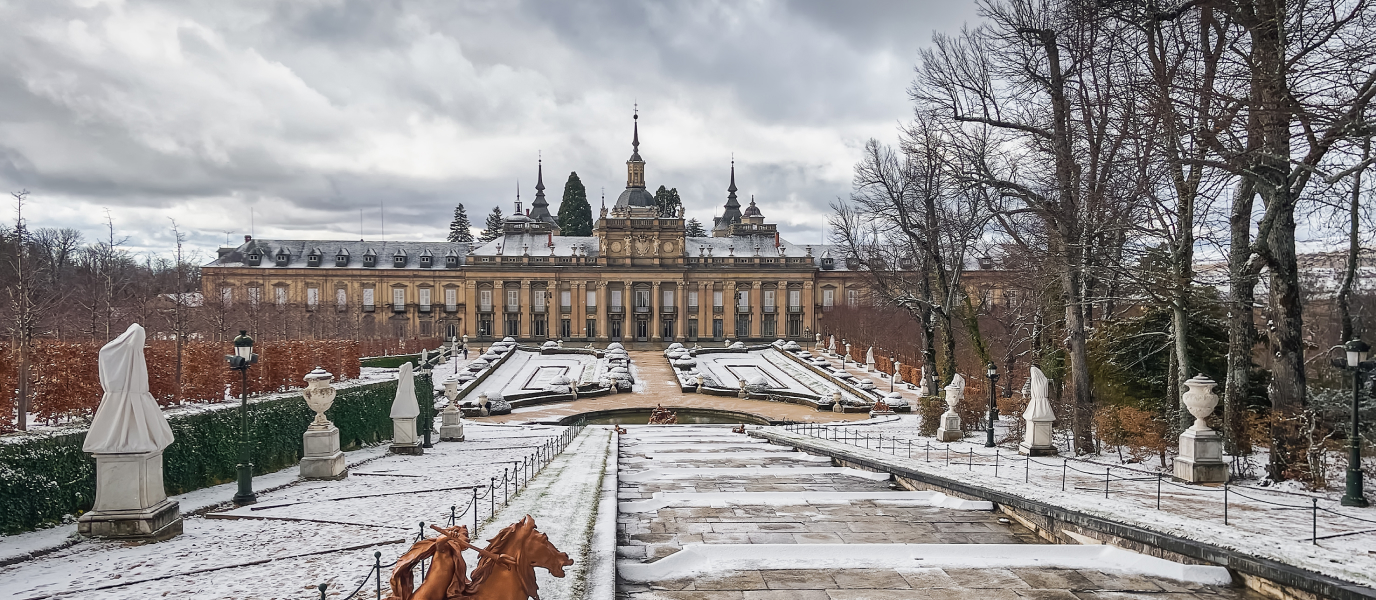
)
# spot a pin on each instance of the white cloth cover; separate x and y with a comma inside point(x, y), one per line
point(869, 355)
point(405, 405)
point(958, 382)
point(1039, 408)
point(128, 420)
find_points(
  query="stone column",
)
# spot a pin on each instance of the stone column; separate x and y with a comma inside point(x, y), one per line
point(525, 312)
point(756, 308)
point(949, 431)
point(808, 324)
point(681, 305)
point(321, 458)
point(603, 297)
point(578, 314)
point(451, 427)
point(655, 304)
point(468, 295)
point(1201, 448)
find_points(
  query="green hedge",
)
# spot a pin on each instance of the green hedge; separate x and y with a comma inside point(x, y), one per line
point(389, 362)
point(45, 478)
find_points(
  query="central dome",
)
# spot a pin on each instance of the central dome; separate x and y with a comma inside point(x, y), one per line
point(636, 197)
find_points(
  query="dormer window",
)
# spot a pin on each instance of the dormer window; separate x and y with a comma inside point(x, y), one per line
point(986, 263)
point(852, 263)
point(341, 259)
point(399, 260)
point(313, 259)
point(425, 261)
point(451, 262)
point(828, 263)
point(253, 258)
point(283, 257)
point(369, 259)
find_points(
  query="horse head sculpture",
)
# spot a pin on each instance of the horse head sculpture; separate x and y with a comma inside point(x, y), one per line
point(496, 579)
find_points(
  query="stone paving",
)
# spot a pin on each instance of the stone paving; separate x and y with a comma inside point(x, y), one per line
point(647, 537)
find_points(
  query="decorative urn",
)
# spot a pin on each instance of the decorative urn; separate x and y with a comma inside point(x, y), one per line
point(1200, 400)
point(319, 395)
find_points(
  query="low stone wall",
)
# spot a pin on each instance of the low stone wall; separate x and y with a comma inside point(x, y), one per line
point(1065, 526)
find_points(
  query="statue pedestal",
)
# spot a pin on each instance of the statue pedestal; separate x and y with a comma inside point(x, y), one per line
point(949, 431)
point(322, 459)
point(404, 439)
point(451, 424)
point(1037, 441)
point(130, 500)
point(1201, 457)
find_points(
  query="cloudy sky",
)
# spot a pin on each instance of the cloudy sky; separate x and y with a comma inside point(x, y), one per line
point(308, 111)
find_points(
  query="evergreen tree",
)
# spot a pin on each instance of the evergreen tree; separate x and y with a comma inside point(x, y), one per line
point(494, 226)
point(694, 228)
point(575, 214)
point(667, 202)
point(460, 230)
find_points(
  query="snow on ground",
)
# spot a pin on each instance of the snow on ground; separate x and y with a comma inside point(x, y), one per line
point(1192, 512)
point(527, 372)
point(301, 534)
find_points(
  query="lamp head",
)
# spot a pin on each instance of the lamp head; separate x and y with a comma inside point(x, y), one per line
point(1357, 351)
point(243, 345)
point(992, 371)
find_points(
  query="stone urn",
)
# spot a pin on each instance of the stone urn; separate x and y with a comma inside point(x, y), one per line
point(1200, 400)
point(319, 395)
point(949, 430)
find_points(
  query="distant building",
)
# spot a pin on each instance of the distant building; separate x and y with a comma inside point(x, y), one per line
point(639, 277)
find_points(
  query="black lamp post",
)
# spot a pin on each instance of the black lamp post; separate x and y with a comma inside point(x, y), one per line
point(993, 373)
point(1356, 361)
point(894, 375)
point(240, 361)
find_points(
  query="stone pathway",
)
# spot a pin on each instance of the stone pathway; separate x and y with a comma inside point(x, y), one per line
point(749, 497)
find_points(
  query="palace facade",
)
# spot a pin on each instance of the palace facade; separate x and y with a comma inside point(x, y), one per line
point(638, 278)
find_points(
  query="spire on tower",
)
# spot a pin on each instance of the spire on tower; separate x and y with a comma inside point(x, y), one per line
point(539, 209)
point(518, 197)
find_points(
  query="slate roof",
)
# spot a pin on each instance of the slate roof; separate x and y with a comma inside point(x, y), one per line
point(300, 249)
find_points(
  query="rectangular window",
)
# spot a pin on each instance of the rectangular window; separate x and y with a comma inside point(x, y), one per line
point(226, 296)
point(281, 296)
point(513, 300)
point(485, 300)
point(716, 299)
point(742, 326)
point(717, 329)
point(795, 298)
point(692, 329)
point(565, 298)
point(424, 299)
point(693, 299)
point(852, 297)
point(539, 300)
point(565, 328)
point(312, 298)
point(368, 298)
point(399, 297)
point(451, 299)
point(485, 326)
point(769, 300)
point(666, 329)
point(668, 299)
point(590, 328)
point(426, 327)
point(743, 300)
point(592, 299)
point(642, 298)
point(795, 326)
point(828, 298)
point(767, 327)
point(616, 299)
point(537, 327)
point(341, 298)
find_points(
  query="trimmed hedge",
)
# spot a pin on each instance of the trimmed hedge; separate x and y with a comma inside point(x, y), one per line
point(43, 479)
point(389, 362)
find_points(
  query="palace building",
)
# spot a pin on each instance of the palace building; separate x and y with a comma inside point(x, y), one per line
point(639, 277)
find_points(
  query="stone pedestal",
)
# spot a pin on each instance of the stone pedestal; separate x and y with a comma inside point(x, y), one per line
point(1201, 457)
point(322, 459)
point(130, 500)
point(949, 431)
point(451, 424)
point(1037, 441)
point(404, 439)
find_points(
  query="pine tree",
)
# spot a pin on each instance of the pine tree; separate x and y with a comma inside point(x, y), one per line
point(575, 214)
point(494, 226)
point(694, 228)
point(460, 230)
point(667, 202)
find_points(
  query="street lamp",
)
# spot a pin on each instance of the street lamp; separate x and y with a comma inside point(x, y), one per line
point(240, 361)
point(1356, 361)
point(993, 373)
point(892, 365)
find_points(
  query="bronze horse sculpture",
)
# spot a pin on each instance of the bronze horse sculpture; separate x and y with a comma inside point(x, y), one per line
point(505, 571)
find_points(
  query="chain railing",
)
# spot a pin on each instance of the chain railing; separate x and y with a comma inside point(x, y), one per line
point(515, 477)
point(904, 447)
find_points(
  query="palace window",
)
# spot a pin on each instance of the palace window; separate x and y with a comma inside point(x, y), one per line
point(424, 299)
point(485, 300)
point(718, 331)
point(852, 297)
point(398, 299)
point(716, 299)
point(795, 299)
point(642, 300)
point(513, 301)
point(426, 327)
point(280, 295)
point(616, 300)
point(565, 329)
point(226, 296)
point(539, 300)
point(692, 300)
point(769, 303)
point(451, 299)
point(368, 302)
point(565, 299)
point(590, 328)
point(828, 298)
point(312, 298)
point(592, 299)
point(767, 326)
point(341, 298)
point(743, 300)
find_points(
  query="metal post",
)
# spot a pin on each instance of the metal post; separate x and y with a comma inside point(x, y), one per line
point(322, 587)
point(453, 515)
point(377, 569)
point(1353, 496)
point(245, 466)
point(492, 497)
point(1158, 491)
point(1225, 503)
point(970, 462)
point(1314, 523)
point(996, 462)
point(1064, 464)
point(506, 491)
point(475, 511)
point(1027, 470)
point(1106, 478)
